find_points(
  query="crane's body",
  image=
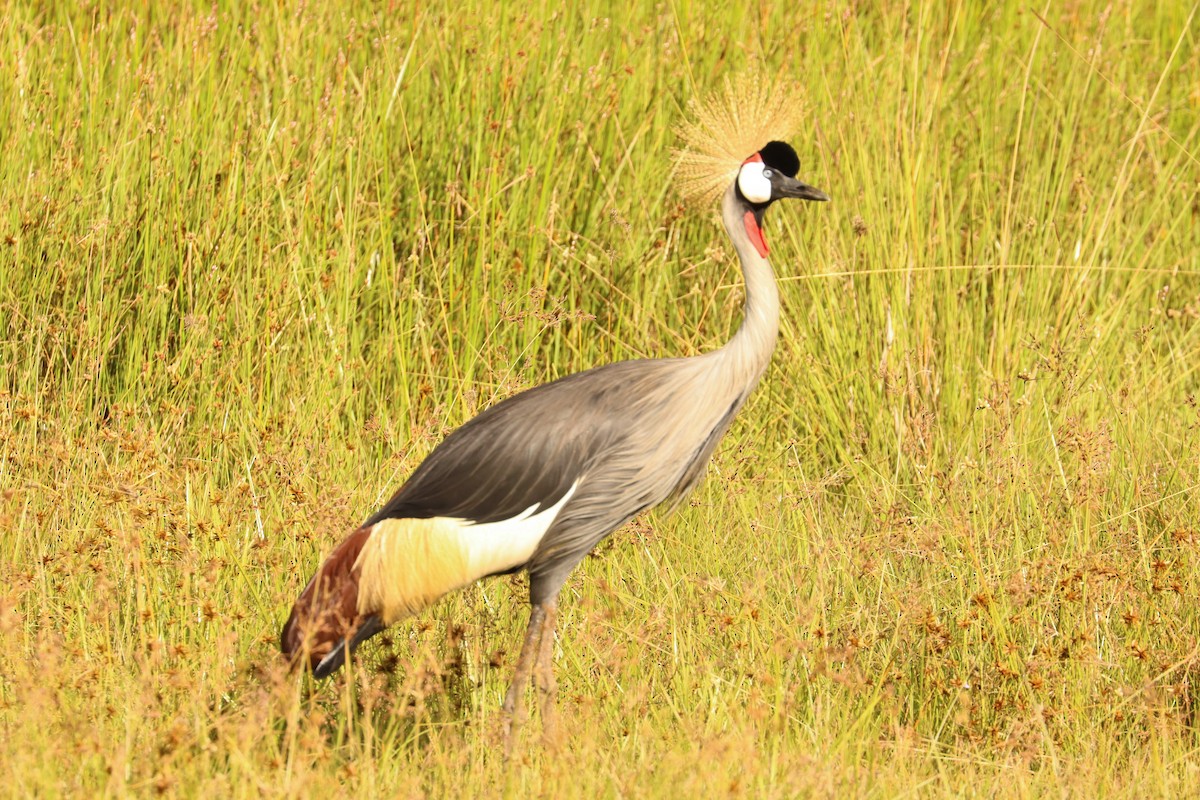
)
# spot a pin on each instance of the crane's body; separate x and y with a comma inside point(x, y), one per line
point(536, 481)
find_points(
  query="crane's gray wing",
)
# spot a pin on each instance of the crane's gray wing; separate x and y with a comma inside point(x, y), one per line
point(524, 452)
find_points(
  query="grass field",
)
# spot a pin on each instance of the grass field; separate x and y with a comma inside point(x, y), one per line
point(256, 261)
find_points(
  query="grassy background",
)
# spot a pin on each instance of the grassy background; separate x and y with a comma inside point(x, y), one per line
point(256, 261)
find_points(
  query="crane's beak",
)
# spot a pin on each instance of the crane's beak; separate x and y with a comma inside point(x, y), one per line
point(784, 186)
point(334, 659)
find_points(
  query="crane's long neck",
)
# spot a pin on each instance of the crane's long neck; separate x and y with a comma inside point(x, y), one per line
point(750, 349)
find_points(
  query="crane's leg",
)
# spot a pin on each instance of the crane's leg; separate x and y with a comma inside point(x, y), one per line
point(543, 672)
point(514, 701)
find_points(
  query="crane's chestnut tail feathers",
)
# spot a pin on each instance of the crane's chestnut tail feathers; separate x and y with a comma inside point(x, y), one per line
point(397, 567)
point(379, 574)
point(327, 610)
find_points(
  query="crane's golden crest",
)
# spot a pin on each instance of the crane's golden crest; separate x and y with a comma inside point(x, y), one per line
point(728, 126)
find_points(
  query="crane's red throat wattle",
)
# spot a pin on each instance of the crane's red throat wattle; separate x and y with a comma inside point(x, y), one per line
point(755, 234)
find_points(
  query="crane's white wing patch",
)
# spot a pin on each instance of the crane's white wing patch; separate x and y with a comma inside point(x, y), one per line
point(498, 546)
point(407, 564)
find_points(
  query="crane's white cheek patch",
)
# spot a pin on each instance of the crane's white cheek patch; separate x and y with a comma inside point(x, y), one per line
point(407, 564)
point(754, 186)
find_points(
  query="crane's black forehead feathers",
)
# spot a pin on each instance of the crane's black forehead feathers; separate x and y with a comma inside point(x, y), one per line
point(781, 156)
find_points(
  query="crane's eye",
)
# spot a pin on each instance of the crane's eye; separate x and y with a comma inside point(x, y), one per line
point(767, 173)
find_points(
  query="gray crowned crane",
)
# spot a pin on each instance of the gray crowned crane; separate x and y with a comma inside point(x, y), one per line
point(536, 481)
